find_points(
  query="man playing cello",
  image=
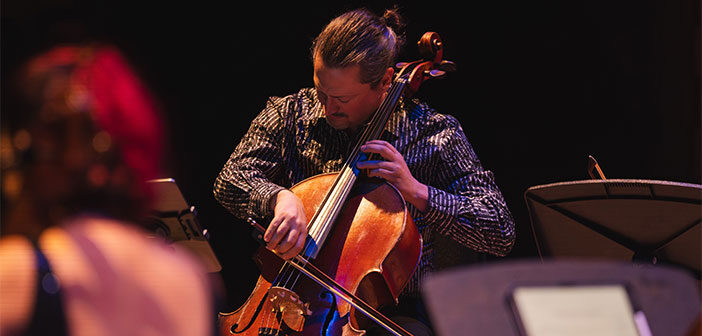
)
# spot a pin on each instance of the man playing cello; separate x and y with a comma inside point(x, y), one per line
point(425, 155)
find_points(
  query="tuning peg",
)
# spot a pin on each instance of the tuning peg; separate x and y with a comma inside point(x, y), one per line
point(447, 66)
point(435, 73)
point(435, 43)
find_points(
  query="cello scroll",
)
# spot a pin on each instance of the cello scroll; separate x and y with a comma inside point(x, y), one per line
point(431, 48)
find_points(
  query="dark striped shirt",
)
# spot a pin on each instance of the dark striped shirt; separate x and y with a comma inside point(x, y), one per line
point(290, 140)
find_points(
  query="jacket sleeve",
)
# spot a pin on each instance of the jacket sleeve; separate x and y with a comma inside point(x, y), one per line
point(464, 201)
point(245, 185)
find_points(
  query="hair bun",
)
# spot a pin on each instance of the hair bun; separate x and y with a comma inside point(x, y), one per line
point(393, 20)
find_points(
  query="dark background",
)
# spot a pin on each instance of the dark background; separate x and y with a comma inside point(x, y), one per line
point(541, 85)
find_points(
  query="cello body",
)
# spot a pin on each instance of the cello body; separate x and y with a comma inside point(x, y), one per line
point(372, 251)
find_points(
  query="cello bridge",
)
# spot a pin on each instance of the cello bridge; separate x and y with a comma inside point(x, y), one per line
point(288, 304)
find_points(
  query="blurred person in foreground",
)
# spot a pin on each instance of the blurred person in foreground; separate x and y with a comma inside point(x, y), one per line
point(77, 149)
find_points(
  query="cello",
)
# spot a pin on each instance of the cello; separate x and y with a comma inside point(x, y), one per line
point(362, 245)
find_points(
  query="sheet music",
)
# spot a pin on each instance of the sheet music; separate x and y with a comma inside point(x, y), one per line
point(575, 310)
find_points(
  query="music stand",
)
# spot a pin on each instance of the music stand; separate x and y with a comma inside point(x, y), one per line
point(175, 221)
point(479, 300)
point(643, 221)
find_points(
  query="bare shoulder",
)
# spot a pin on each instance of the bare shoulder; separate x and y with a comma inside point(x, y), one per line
point(111, 257)
point(129, 247)
point(17, 282)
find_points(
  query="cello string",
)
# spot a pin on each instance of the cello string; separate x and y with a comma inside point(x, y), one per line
point(270, 312)
point(377, 123)
point(279, 321)
point(270, 315)
point(345, 179)
point(375, 126)
point(341, 186)
point(323, 217)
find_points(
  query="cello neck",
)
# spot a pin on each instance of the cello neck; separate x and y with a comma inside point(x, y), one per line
point(380, 118)
point(322, 222)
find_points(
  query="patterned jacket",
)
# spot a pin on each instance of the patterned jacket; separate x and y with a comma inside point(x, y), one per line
point(290, 140)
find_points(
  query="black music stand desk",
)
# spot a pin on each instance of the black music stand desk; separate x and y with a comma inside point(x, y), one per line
point(643, 221)
point(480, 300)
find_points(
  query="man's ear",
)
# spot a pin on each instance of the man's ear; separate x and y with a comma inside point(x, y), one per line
point(387, 78)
